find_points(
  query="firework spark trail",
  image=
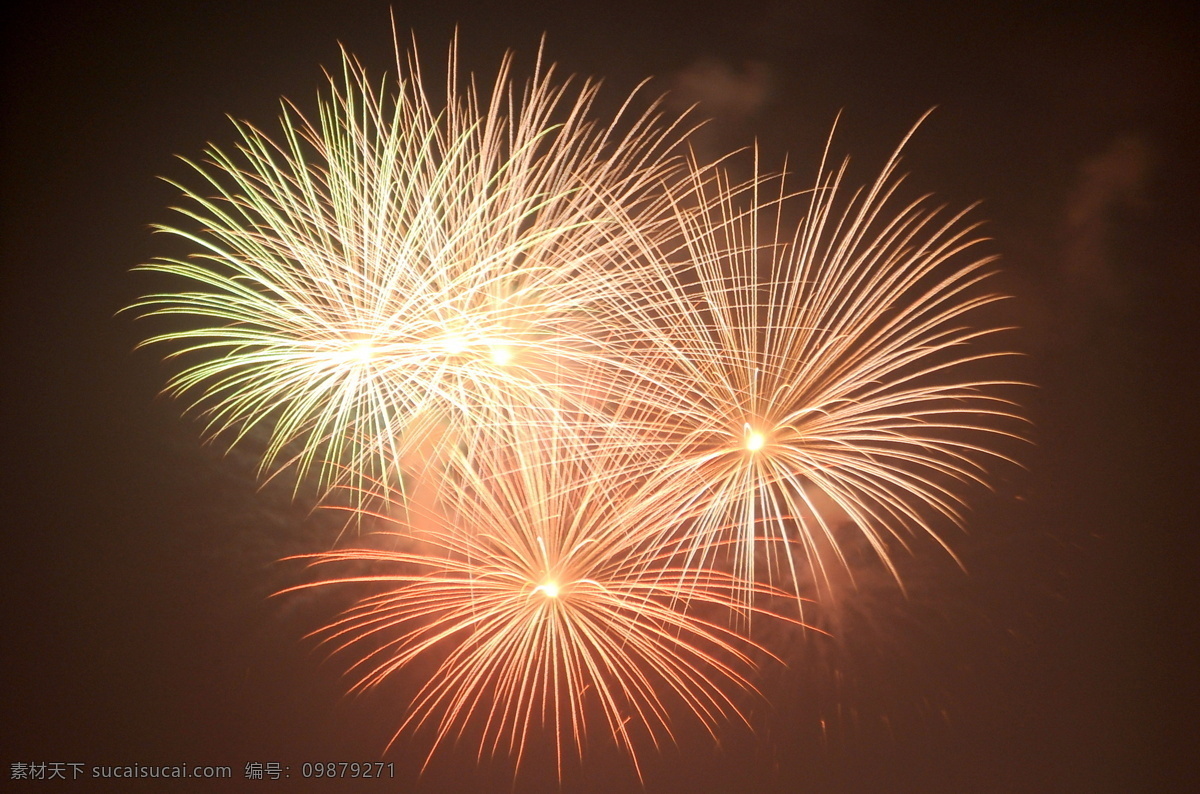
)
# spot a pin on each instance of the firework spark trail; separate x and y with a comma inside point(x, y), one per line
point(597, 387)
point(390, 269)
point(823, 376)
point(533, 596)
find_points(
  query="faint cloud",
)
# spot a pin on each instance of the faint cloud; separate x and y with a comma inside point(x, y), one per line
point(1108, 184)
point(728, 97)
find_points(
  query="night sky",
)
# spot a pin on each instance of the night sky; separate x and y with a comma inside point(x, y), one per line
point(138, 563)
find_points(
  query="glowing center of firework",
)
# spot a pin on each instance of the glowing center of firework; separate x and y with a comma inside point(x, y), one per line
point(358, 353)
point(548, 589)
point(501, 355)
point(755, 441)
point(455, 345)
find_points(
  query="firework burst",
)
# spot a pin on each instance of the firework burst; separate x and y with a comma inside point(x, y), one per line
point(821, 377)
point(544, 594)
point(608, 403)
point(392, 278)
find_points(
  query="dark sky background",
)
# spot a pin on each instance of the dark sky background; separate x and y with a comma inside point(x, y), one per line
point(138, 563)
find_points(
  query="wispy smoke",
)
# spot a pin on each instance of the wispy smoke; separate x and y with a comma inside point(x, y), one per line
point(728, 97)
point(1108, 185)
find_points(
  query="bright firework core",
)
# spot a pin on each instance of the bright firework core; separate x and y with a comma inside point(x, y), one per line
point(548, 589)
point(501, 355)
point(755, 441)
point(359, 352)
point(499, 352)
point(455, 345)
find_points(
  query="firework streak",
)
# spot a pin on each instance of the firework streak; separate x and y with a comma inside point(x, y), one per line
point(607, 404)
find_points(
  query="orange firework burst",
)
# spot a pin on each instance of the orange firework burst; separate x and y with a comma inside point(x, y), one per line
point(545, 597)
point(597, 387)
point(819, 377)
